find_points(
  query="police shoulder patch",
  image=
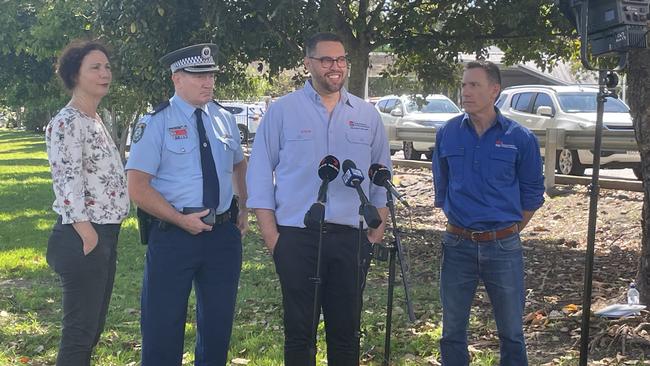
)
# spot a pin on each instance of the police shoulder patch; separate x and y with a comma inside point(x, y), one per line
point(159, 108)
point(138, 131)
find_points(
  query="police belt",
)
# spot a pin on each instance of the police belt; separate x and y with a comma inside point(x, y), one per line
point(164, 226)
point(483, 235)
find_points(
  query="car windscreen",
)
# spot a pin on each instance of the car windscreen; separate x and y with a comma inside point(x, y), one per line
point(586, 103)
point(433, 106)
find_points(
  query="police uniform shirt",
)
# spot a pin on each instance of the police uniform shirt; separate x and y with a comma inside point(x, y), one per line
point(166, 145)
point(295, 134)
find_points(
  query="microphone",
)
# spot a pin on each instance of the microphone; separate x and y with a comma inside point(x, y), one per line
point(328, 170)
point(352, 177)
point(380, 175)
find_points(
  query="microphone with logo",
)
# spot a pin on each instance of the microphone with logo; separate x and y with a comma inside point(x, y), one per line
point(380, 175)
point(328, 170)
point(352, 177)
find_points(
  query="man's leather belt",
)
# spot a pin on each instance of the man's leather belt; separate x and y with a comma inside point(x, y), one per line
point(482, 235)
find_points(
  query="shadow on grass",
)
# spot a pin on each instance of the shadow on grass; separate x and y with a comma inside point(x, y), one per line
point(31, 148)
point(42, 162)
point(22, 177)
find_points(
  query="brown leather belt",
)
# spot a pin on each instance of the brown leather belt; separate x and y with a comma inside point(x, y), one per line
point(482, 235)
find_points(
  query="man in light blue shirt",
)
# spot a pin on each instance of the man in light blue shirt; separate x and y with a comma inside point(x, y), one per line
point(298, 131)
point(185, 164)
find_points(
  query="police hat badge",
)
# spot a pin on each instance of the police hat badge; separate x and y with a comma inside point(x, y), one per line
point(197, 58)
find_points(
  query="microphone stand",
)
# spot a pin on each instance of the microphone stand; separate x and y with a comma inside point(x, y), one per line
point(395, 248)
point(357, 280)
point(317, 209)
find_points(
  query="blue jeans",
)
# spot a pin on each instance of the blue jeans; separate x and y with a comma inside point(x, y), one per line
point(500, 265)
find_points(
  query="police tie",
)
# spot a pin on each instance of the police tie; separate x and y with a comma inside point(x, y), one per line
point(210, 178)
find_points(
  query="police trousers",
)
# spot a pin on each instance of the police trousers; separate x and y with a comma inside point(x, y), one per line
point(176, 260)
point(87, 283)
point(295, 256)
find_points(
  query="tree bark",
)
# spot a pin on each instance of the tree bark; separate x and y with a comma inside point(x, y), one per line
point(639, 98)
point(360, 58)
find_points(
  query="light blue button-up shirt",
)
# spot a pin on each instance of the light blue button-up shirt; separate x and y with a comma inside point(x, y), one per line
point(168, 149)
point(295, 134)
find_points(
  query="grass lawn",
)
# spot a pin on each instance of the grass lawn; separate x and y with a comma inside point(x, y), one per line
point(30, 296)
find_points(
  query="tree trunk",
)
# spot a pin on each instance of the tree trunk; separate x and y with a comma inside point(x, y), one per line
point(359, 60)
point(638, 96)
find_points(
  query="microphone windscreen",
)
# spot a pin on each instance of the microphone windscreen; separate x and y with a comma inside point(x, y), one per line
point(348, 164)
point(328, 169)
point(379, 174)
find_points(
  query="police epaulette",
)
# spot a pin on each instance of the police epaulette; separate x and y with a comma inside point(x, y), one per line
point(159, 108)
point(218, 104)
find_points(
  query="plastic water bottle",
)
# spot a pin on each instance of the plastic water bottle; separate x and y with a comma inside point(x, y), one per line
point(633, 295)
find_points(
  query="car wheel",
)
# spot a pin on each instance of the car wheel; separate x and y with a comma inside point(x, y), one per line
point(567, 162)
point(392, 152)
point(638, 172)
point(409, 151)
point(243, 134)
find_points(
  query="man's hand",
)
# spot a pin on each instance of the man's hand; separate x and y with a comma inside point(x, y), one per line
point(376, 235)
point(242, 222)
point(193, 224)
point(271, 241)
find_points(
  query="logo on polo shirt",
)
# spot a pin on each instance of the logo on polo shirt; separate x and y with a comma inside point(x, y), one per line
point(500, 143)
point(358, 125)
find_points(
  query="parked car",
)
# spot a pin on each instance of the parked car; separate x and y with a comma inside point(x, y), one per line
point(248, 117)
point(408, 111)
point(570, 108)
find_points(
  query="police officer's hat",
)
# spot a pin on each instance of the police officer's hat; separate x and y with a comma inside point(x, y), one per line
point(196, 58)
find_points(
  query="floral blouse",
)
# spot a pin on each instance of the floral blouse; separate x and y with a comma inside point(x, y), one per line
point(87, 172)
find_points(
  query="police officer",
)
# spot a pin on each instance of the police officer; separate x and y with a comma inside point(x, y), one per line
point(297, 131)
point(185, 162)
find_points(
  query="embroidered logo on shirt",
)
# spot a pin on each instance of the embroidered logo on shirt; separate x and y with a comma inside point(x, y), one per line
point(499, 143)
point(178, 132)
point(358, 125)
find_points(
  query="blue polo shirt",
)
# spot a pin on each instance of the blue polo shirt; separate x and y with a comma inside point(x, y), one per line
point(484, 183)
point(295, 134)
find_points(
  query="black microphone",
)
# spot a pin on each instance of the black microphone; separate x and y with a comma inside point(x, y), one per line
point(352, 177)
point(380, 175)
point(328, 170)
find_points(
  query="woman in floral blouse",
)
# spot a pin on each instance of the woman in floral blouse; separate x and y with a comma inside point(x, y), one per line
point(90, 198)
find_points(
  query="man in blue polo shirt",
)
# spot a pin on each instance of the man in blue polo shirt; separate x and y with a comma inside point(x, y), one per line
point(488, 180)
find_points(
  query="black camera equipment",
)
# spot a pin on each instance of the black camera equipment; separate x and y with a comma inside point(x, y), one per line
point(614, 26)
point(380, 175)
point(328, 170)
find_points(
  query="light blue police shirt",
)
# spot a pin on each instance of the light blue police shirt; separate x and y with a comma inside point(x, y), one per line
point(168, 149)
point(296, 133)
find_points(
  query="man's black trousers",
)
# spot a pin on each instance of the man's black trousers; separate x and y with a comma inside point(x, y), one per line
point(295, 257)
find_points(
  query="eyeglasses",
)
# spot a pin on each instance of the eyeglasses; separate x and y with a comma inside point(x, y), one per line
point(327, 62)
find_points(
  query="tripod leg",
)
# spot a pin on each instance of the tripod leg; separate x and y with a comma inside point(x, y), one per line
point(389, 305)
